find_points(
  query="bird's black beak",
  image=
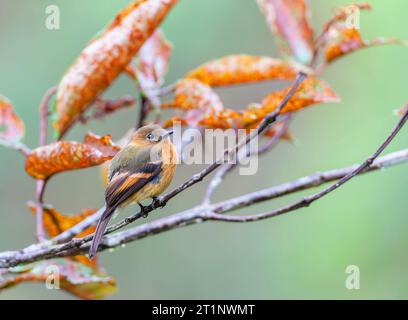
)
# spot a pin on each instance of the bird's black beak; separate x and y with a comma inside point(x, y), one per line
point(167, 134)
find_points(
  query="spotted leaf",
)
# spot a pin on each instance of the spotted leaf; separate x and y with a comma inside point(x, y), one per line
point(60, 156)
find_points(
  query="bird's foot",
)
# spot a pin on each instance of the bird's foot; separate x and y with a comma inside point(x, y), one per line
point(157, 202)
point(143, 209)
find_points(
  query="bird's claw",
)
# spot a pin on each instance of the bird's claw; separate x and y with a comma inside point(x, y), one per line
point(143, 210)
point(157, 202)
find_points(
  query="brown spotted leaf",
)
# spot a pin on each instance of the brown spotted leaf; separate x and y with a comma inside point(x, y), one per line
point(55, 223)
point(340, 37)
point(193, 94)
point(289, 19)
point(341, 15)
point(197, 98)
point(106, 57)
point(312, 91)
point(61, 156)
point(75, 278)
point(237, 69)
point(12, 128)
point(154, 58)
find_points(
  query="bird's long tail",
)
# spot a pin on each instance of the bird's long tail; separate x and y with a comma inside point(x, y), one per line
point(100, 230)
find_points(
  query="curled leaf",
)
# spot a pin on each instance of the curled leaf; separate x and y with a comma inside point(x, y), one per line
point(341, 37)
point(236, 69)
point(75, 278)
point(341, 15)
point(106, 57)
point(11, 126)
point(289, 19)
point(154, 58)
point(346, 41)
point(55, 223)
point(61, 156)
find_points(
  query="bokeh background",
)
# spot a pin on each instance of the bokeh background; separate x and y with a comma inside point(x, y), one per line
point(299, 255)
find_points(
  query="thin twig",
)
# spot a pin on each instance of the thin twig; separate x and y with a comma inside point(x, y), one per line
point(228, 167)
point(104, 107)
point(39, 199)
point(144, 111)
point(79, 227)
point(41, 184)
point(18, 146)
point(306, 201)
point(44, 111)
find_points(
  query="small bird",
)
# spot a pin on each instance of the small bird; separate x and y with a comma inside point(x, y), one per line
point(143, 169)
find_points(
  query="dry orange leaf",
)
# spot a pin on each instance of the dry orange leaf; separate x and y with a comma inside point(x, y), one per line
point(342, 39)
point(75, 278)
point(342, 13)
point(12, 128)
point(289, 19)
point(106, 57)
point(154, 58)
point(312, 91)
point(197, 98)
point(192, 94)
point(236, 69)
point(56, 223)
point(346, 41)
point(61, 156)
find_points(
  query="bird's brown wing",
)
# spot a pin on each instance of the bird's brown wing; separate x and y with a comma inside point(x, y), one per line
point(122, 186)
point(126, 183)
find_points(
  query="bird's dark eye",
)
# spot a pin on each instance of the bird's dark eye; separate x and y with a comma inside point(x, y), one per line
point(149, 136)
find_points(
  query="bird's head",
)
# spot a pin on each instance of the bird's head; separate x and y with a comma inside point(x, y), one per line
point(150, 135)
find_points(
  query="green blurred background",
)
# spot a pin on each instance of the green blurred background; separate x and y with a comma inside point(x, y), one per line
point(298, 255)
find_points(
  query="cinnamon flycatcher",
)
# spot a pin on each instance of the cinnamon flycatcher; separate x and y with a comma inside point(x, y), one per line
point(141, 170)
